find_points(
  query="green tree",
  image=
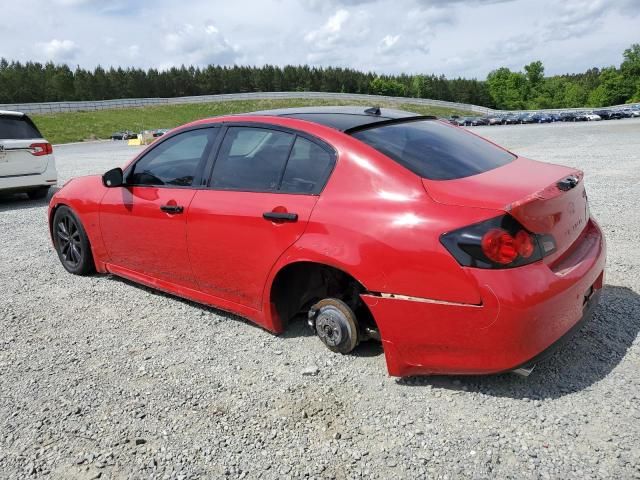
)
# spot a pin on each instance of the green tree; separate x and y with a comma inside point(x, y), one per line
point(508, 89)
point(614, 89)
point(386, 86)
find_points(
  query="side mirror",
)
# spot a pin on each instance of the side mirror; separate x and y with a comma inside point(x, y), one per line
point(113, 178)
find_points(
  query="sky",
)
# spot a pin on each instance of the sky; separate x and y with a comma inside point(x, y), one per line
point(466, 38)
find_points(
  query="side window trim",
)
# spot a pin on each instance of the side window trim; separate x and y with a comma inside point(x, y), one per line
point(296, 133)
point(200, 173)
point(286, 162)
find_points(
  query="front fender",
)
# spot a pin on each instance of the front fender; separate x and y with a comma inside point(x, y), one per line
point(83, 195)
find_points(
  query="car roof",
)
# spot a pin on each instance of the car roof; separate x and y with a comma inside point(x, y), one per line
point(13, 114)
point(342, 118)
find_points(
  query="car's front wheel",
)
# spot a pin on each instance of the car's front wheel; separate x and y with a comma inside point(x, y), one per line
point(71, 242)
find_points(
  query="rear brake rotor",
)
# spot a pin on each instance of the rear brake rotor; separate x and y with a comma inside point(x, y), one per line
point(335, 324)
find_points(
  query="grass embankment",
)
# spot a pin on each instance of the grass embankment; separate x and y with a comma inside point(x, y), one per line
point(79, 126)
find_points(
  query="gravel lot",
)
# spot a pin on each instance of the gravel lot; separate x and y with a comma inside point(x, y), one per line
point(102, 378)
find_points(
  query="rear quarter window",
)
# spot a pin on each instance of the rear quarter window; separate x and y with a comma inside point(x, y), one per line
point(434, 150)
point(17, 128)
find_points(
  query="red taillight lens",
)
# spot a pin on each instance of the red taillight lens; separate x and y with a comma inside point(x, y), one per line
point(524, 244)
point(39, 149)
point(500, 242)
point(499, 246)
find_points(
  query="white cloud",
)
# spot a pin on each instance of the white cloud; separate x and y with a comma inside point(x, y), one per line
point(453, 37)
point(60, 50)
point(388, 43)
point(327, 35)
point(199, 45)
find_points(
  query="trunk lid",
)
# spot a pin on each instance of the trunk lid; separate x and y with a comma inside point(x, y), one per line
point(16, 158)
point(545, 198)
point(17, 134)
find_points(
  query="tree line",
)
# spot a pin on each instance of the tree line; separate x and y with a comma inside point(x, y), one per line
point(503, 88)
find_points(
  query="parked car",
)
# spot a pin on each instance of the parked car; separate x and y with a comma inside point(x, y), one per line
point(568, 117)
point(495, 120)
point(592, 117)
point(624, 112)
point(580, 117)
point(541, 118)
point(124, 135)
point(555, 117)
point(476, 121)
point(511, 119)
point(607, 114)
point(367, 223)
point(27, 164)
point(159, 132)
point(525, 118)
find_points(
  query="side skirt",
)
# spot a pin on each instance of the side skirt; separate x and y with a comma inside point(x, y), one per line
point(255, 316)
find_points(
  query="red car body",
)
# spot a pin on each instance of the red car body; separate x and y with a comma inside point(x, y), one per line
point(381, 224)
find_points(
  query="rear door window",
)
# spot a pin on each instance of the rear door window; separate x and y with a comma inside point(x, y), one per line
point(17, 128)
point(251, 159)
point(434, 150)
point(308, 168)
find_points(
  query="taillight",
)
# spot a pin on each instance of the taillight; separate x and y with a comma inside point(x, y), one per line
point(500, 242)
point(39, 149)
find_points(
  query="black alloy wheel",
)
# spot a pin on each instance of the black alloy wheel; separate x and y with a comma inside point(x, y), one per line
point(71, 242)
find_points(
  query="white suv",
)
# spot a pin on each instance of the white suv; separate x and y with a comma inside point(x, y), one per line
point(26, 159)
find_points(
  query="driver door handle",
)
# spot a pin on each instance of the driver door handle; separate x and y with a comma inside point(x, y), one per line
point(172, 208)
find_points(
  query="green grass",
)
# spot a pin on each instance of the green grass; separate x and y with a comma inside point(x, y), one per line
point(79, 126)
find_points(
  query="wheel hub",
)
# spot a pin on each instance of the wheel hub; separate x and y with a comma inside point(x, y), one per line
point(330, 328)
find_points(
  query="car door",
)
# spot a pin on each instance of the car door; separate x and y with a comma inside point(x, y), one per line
point(143, 223)
point(263, 187)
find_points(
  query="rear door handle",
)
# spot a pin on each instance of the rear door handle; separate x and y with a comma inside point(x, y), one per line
point(172, 208)
point(280, 216)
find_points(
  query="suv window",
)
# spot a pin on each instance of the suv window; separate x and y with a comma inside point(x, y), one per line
point(308, 168)
point(251, 159)
point(17, 128)
point(434, 150)
point(175, 161)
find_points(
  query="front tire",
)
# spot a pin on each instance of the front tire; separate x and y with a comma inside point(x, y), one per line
point(71, 243)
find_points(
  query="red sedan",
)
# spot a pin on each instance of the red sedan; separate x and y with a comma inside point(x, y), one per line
point(460, 256)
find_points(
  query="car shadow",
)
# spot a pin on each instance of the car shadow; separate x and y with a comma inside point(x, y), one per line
point(199, 306)
point(298, 327)
point(20, 201)
point(589, 357)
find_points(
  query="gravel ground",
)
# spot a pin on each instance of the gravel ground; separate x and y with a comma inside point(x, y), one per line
point(102, 378)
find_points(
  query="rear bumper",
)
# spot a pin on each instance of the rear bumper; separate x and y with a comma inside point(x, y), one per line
point(23, 183)
point(525, 312)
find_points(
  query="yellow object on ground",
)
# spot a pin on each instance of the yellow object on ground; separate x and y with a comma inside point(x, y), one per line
point(134, 142)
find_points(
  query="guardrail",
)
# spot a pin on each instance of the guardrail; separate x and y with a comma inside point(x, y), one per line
point(57, 107)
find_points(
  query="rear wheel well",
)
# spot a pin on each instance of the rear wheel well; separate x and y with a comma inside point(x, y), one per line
point(298, 286)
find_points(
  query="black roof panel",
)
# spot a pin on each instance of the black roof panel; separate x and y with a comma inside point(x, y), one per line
point(340, 118)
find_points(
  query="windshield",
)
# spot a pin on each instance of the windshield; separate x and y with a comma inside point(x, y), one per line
point(434, 150)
